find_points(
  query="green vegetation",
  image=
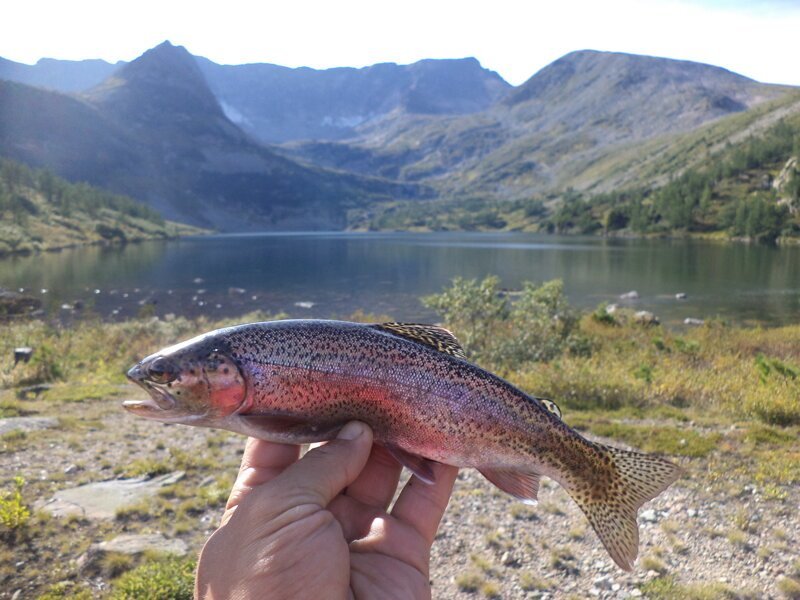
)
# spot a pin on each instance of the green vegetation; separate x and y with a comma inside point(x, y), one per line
point(588, 364)
point(14, 513)
point(167, 578)
point(667, 588)
point(747, 190)
point(720, 400)
point(40, 211)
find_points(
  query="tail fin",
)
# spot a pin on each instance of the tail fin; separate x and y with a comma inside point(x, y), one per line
point(636, 478)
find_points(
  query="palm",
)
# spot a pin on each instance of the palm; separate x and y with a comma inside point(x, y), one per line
point(351, 547)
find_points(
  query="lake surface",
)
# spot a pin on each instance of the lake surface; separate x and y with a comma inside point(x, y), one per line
point(334, 274)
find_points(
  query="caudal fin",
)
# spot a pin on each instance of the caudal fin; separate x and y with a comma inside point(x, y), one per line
point(635, 478)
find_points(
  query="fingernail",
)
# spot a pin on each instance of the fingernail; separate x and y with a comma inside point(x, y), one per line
point(351, 431)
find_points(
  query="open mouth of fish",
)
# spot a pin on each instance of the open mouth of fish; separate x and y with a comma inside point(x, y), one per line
point(159, 399)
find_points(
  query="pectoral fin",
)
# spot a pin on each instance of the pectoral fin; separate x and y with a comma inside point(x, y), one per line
point(520, 484)
point(421, 467)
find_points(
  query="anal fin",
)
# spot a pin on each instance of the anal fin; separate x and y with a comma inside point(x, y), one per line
point(522, 485)
point(420, 466)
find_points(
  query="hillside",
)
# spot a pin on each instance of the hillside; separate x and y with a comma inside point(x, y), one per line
point(58, 75)
point(278, 104)
point(154, 131)
point(187, 135)
point(40, 211)
point(545, 133)
point(738, 178)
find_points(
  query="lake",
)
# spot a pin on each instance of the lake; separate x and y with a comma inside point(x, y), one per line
point(334, 274)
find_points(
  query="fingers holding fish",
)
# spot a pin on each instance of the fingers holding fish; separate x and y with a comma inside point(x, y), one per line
point(261, 462)
point(377, 483)
point(317, 478)
point(422, 505)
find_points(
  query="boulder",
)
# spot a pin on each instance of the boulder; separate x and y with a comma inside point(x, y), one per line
point(632, 295)
point(693, 322)
point(644, 317)
point(26, 424)
point(14, 304)
point(101, 500)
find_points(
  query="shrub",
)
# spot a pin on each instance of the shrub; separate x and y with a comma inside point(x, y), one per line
point(537, 326)
point(14, 514)
point(166, 578)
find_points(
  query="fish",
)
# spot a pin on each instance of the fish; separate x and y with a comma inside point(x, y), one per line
point(300, 381)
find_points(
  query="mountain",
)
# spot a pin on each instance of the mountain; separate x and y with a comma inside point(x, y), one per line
point(276, 104)
point(279, 104)
point(154, 130)
point(545, 133)
point(58, 75)
point(39, 211)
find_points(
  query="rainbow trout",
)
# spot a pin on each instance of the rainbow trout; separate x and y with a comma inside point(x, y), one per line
point(301, 381)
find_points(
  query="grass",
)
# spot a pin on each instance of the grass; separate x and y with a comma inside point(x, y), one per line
point(530, 582)
point(667, 588)
point(789, 588)
point(470, 581)
point(167, 578)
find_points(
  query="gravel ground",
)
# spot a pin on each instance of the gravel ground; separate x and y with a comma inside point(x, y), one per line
point(488, 542)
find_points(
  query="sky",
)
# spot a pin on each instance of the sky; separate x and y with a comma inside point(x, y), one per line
point(757, 38)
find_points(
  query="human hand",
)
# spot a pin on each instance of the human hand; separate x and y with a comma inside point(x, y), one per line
point(319, 527)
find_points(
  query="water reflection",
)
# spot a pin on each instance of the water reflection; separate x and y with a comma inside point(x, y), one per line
point(386, 273)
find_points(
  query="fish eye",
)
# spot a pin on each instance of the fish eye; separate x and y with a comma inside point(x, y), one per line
point(161, 371)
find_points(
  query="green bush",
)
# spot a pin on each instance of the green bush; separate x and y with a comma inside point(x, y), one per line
point(537, 325)
point(167, 578)
point(14, 514)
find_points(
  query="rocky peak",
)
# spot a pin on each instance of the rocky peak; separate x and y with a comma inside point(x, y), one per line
point(161, 86)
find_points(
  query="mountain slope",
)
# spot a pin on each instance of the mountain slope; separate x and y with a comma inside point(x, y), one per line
point(735, 177)
point(278, 104)
point(58, 75)
point(547, 131)
point(40, 211)
point(155, 131)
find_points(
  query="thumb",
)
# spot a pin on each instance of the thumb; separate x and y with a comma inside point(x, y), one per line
point(321, 474)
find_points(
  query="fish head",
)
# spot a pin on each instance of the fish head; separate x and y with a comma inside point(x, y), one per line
point(193, 382)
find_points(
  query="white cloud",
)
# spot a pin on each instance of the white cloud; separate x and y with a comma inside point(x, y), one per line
point(514, 38)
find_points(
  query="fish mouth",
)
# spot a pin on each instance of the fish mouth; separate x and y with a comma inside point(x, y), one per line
point(159, 400)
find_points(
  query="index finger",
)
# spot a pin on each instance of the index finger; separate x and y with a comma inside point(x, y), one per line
point(261, 462)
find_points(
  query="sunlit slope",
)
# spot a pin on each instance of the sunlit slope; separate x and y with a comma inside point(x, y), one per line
point(39, 211)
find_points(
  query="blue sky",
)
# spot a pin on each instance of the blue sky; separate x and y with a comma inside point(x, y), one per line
point(757, 38)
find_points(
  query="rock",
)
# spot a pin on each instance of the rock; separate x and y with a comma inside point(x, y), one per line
point(32, 390)
point(694, 322)
point(139, 543)
point(70, 469)
point(681, 296)
point(632, 295)
point(304, 304)
point(26, 424)
point(636, 593)
point(612, 308)
point(22, 354)
point(102, 500)
point(649, 515)
point(603, 582)
point(236, 291)
point(198, 280)
point(644, 317)
point(14, 304)
point(207, 480)
point(132, 545)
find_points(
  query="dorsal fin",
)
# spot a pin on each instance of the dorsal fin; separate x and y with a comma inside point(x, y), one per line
point(434, 336)
point(551, 406)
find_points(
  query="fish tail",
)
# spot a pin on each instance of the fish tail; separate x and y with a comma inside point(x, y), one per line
point(612, 502)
